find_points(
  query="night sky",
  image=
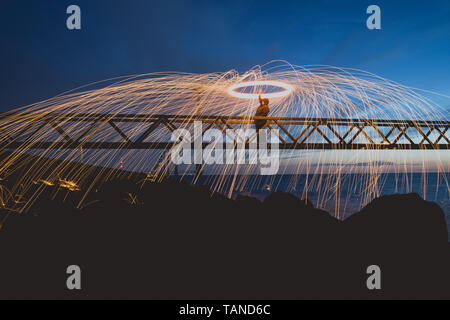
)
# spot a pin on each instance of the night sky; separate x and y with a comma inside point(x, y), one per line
point(40, 57)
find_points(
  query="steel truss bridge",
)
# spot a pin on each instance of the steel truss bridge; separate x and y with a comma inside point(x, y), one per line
point(294, 133)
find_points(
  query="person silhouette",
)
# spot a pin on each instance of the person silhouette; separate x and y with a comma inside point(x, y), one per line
point(262, 111)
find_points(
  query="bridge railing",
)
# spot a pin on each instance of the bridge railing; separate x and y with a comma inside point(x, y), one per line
point(39, 130)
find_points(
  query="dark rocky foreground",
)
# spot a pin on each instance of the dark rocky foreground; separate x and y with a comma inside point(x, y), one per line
point(180, 241)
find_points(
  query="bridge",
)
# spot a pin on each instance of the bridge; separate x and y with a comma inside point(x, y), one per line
point(293, 133)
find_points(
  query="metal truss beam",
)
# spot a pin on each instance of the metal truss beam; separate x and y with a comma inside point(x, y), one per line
point(295, 133)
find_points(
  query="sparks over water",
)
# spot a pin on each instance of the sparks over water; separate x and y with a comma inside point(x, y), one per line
point(294, 91)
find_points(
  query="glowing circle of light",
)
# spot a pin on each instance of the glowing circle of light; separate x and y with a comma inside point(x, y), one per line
point(279, 94)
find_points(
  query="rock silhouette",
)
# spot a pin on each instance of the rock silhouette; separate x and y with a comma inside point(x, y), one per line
point(171, 240)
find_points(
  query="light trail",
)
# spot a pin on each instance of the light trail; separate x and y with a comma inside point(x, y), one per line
point(308, 92)
point(280, 94)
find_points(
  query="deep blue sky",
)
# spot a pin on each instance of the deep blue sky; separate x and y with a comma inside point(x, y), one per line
point(41, 58)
